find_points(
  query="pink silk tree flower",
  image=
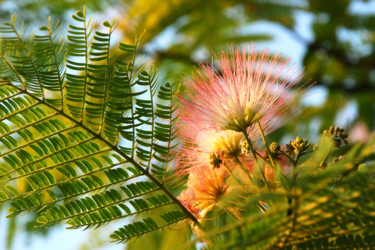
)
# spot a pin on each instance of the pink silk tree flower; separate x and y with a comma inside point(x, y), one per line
point(205, 189)
point(207, 147)
point(201, 144)
point(247, 86)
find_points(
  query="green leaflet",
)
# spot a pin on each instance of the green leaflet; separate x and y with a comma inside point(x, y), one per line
point(139, 228)
point(89, 132)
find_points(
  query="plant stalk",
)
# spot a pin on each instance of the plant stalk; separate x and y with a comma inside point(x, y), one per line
point(266, 144)
point(256, 159)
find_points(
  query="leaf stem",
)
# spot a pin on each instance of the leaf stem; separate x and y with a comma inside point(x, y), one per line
point(106, 77)
point(152, 124)
point(261, 157)
point(170, 132)
point(266, 144)
point(87, 55)
point(290, 158)
point(14, 71)
point(58, 73)
point(243, 168)
point(234, 177)
point(256, 159)
point(32, 63)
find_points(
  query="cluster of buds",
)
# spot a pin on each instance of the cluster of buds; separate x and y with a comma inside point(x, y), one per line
point(338, 135)
point(215, 160)
point(297, 146)
point(245, 147)
point(275, 148)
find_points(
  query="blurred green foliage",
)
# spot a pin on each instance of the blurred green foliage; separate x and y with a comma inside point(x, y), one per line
point(339, 56)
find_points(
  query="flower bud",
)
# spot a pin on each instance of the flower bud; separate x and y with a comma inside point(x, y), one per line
point(275, 147)
point(339, 136)
point(297, 146)
point(245, 147)
point(323, 164)
point(215, 160)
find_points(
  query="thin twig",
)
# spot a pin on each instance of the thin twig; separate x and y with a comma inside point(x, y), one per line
point(266, 144)
point(256, 159)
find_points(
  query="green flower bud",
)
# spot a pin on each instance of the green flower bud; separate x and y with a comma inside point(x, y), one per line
point(338, 135)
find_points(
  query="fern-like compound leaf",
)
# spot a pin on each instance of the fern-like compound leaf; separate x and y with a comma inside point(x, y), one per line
point(88, 134)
